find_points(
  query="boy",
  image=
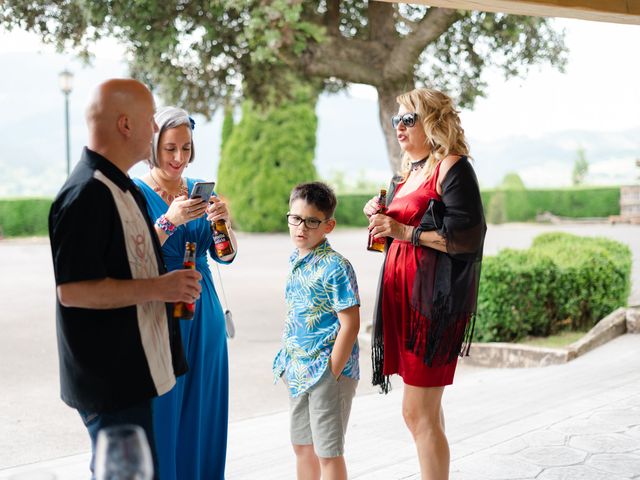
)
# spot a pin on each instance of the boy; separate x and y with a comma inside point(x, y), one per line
point(319, 357)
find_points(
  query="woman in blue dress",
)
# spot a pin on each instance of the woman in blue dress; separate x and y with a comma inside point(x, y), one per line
point(190, 421)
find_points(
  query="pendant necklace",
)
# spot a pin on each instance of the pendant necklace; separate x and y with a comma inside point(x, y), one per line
point(166, 196)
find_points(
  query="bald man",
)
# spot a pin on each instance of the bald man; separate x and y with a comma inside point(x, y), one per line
point(118, 344)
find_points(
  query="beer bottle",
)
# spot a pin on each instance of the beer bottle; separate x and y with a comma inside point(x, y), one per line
point(181, 309)
point(221, 238)
point(377, 244)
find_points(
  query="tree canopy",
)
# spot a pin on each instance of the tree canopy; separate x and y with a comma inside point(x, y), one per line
point(201, 54)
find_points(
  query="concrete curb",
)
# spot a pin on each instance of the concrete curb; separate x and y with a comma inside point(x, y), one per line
point(510, 355)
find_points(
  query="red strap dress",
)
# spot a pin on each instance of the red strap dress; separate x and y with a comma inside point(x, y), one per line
point(399, 273)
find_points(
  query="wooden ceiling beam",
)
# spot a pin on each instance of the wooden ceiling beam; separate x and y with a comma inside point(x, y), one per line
point(613, 11)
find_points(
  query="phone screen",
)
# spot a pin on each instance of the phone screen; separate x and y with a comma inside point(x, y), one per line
point(202, 190)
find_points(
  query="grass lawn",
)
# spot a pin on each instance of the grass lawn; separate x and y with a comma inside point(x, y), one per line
point(553, 341)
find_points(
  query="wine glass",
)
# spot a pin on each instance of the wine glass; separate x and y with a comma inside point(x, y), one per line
point(123, 453)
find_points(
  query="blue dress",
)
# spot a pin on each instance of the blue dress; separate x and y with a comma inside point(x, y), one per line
point(190, 421)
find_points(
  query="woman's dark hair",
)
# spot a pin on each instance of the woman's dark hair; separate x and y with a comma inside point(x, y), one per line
point(318, 194)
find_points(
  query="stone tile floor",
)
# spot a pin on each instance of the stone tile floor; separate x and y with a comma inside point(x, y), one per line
point(603, 444)
point(576, 421)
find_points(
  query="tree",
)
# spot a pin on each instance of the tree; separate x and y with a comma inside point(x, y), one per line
point(497, 208)
point(199, 54)
point(512, 181)
point(267, 153)
point(580, 168)
point(227, 126)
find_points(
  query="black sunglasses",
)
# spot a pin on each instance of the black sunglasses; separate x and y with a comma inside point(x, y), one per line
point(408, 120)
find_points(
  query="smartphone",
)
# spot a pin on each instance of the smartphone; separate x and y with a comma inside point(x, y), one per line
point(202, 190)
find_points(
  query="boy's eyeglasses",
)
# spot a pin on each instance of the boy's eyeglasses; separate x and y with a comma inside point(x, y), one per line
point(408, 119)
point(310, 223)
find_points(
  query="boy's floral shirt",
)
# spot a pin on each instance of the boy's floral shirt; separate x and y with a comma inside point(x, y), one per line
point(319, 285)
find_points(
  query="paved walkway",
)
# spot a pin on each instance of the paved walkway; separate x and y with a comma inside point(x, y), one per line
point(580, 420)
point(484, 408)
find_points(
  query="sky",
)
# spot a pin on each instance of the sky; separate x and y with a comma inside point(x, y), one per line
point(533, 126)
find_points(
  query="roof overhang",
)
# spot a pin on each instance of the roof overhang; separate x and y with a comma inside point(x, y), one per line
point(614, 11)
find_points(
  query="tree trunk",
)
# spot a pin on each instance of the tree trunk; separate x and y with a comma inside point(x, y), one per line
point(385, 60)
point(387, 108)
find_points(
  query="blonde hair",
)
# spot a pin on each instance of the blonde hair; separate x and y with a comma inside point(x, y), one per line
point(441, 124)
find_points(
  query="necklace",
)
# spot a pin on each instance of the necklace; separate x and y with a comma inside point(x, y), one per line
point(166, 196)
point(419, 164)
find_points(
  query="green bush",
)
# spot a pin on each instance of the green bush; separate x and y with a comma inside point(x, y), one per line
point(227, 127)
point(24, 217)
point(592, 281)
point(563, 282)
point(515, 297)
point(524, 205)
point(264, 157)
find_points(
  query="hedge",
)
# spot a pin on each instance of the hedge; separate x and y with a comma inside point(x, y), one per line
point(523, 205)
point(24, 217)
point(18, 217)
point(563, 282)
point(349, 210)
point(513, 205)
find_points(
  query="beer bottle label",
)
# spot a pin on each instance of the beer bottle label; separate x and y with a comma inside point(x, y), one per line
point(222, 245)
point(220, 237)
point(221, 241)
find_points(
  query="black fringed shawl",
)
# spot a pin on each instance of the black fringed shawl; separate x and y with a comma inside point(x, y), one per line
point(443, 302)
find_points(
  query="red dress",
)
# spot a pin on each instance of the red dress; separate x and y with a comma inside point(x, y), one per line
point(399, 273)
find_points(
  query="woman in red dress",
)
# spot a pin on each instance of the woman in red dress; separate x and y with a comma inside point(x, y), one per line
point(435, 227)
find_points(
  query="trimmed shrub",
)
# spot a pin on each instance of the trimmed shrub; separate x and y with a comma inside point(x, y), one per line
point(24, 217)
point(592, 280)
point(264, 157)
point(563, 282)
point(515, 297)
point(227, 127)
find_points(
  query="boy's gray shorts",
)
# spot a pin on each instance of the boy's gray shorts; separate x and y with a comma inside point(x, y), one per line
point(320, 415)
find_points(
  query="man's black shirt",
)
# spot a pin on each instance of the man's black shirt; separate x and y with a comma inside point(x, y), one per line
point(103, 362)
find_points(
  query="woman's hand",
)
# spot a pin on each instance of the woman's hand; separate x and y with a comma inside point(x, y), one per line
point(371, 207)
point(183, 210)
point(381, 225)
point(217, 210)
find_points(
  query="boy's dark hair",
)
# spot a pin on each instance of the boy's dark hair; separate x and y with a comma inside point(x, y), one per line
point(318, 194)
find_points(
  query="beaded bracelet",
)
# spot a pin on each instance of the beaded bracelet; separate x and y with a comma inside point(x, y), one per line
point(415, 236)
point(165, 225)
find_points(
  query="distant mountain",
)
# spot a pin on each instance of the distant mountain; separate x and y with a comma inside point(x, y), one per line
point(547, 160)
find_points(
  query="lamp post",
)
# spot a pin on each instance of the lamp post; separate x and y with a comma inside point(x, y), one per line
point(66, 84)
